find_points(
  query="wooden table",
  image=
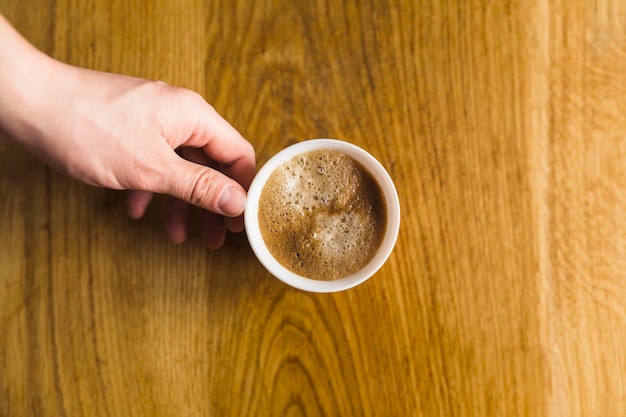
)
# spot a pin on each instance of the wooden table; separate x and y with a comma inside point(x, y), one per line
point(503, 124)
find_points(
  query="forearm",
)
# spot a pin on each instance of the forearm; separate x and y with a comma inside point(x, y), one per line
point(26, 75)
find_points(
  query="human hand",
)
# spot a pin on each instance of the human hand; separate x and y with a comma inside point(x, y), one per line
point(121, 132)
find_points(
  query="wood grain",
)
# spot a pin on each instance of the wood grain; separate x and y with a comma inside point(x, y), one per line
point(502, 124)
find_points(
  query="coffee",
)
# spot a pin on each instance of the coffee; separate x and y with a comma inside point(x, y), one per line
point(322, 215)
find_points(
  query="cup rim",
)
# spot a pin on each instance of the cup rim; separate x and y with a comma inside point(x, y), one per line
point(263, 254)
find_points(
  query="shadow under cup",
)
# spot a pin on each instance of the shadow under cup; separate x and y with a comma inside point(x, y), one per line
point(259, 247)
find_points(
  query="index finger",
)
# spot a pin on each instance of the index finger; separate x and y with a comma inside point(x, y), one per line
point(220, 141)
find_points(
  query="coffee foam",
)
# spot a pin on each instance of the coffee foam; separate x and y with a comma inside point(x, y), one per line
point(322, 215)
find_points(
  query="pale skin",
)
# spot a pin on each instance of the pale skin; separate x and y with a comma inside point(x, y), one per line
point(127, 133)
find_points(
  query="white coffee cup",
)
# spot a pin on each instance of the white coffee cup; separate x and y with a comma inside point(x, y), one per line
point(279, 271)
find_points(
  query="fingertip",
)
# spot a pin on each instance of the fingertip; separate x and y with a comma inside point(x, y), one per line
point(234, 224)
point(213, 230)
point(177, 221)
point(137, 202)
point(177, 237)
point(232, 201)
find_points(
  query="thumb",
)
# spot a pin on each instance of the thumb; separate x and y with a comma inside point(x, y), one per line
point(204, 187)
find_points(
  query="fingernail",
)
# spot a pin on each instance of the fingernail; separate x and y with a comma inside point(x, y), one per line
point(232, 201)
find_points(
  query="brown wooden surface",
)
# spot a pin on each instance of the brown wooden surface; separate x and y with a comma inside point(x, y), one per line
point(503, 125)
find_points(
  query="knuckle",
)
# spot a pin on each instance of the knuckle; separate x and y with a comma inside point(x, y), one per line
point(191, 96)
point(155, 85)
point(206, 189)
